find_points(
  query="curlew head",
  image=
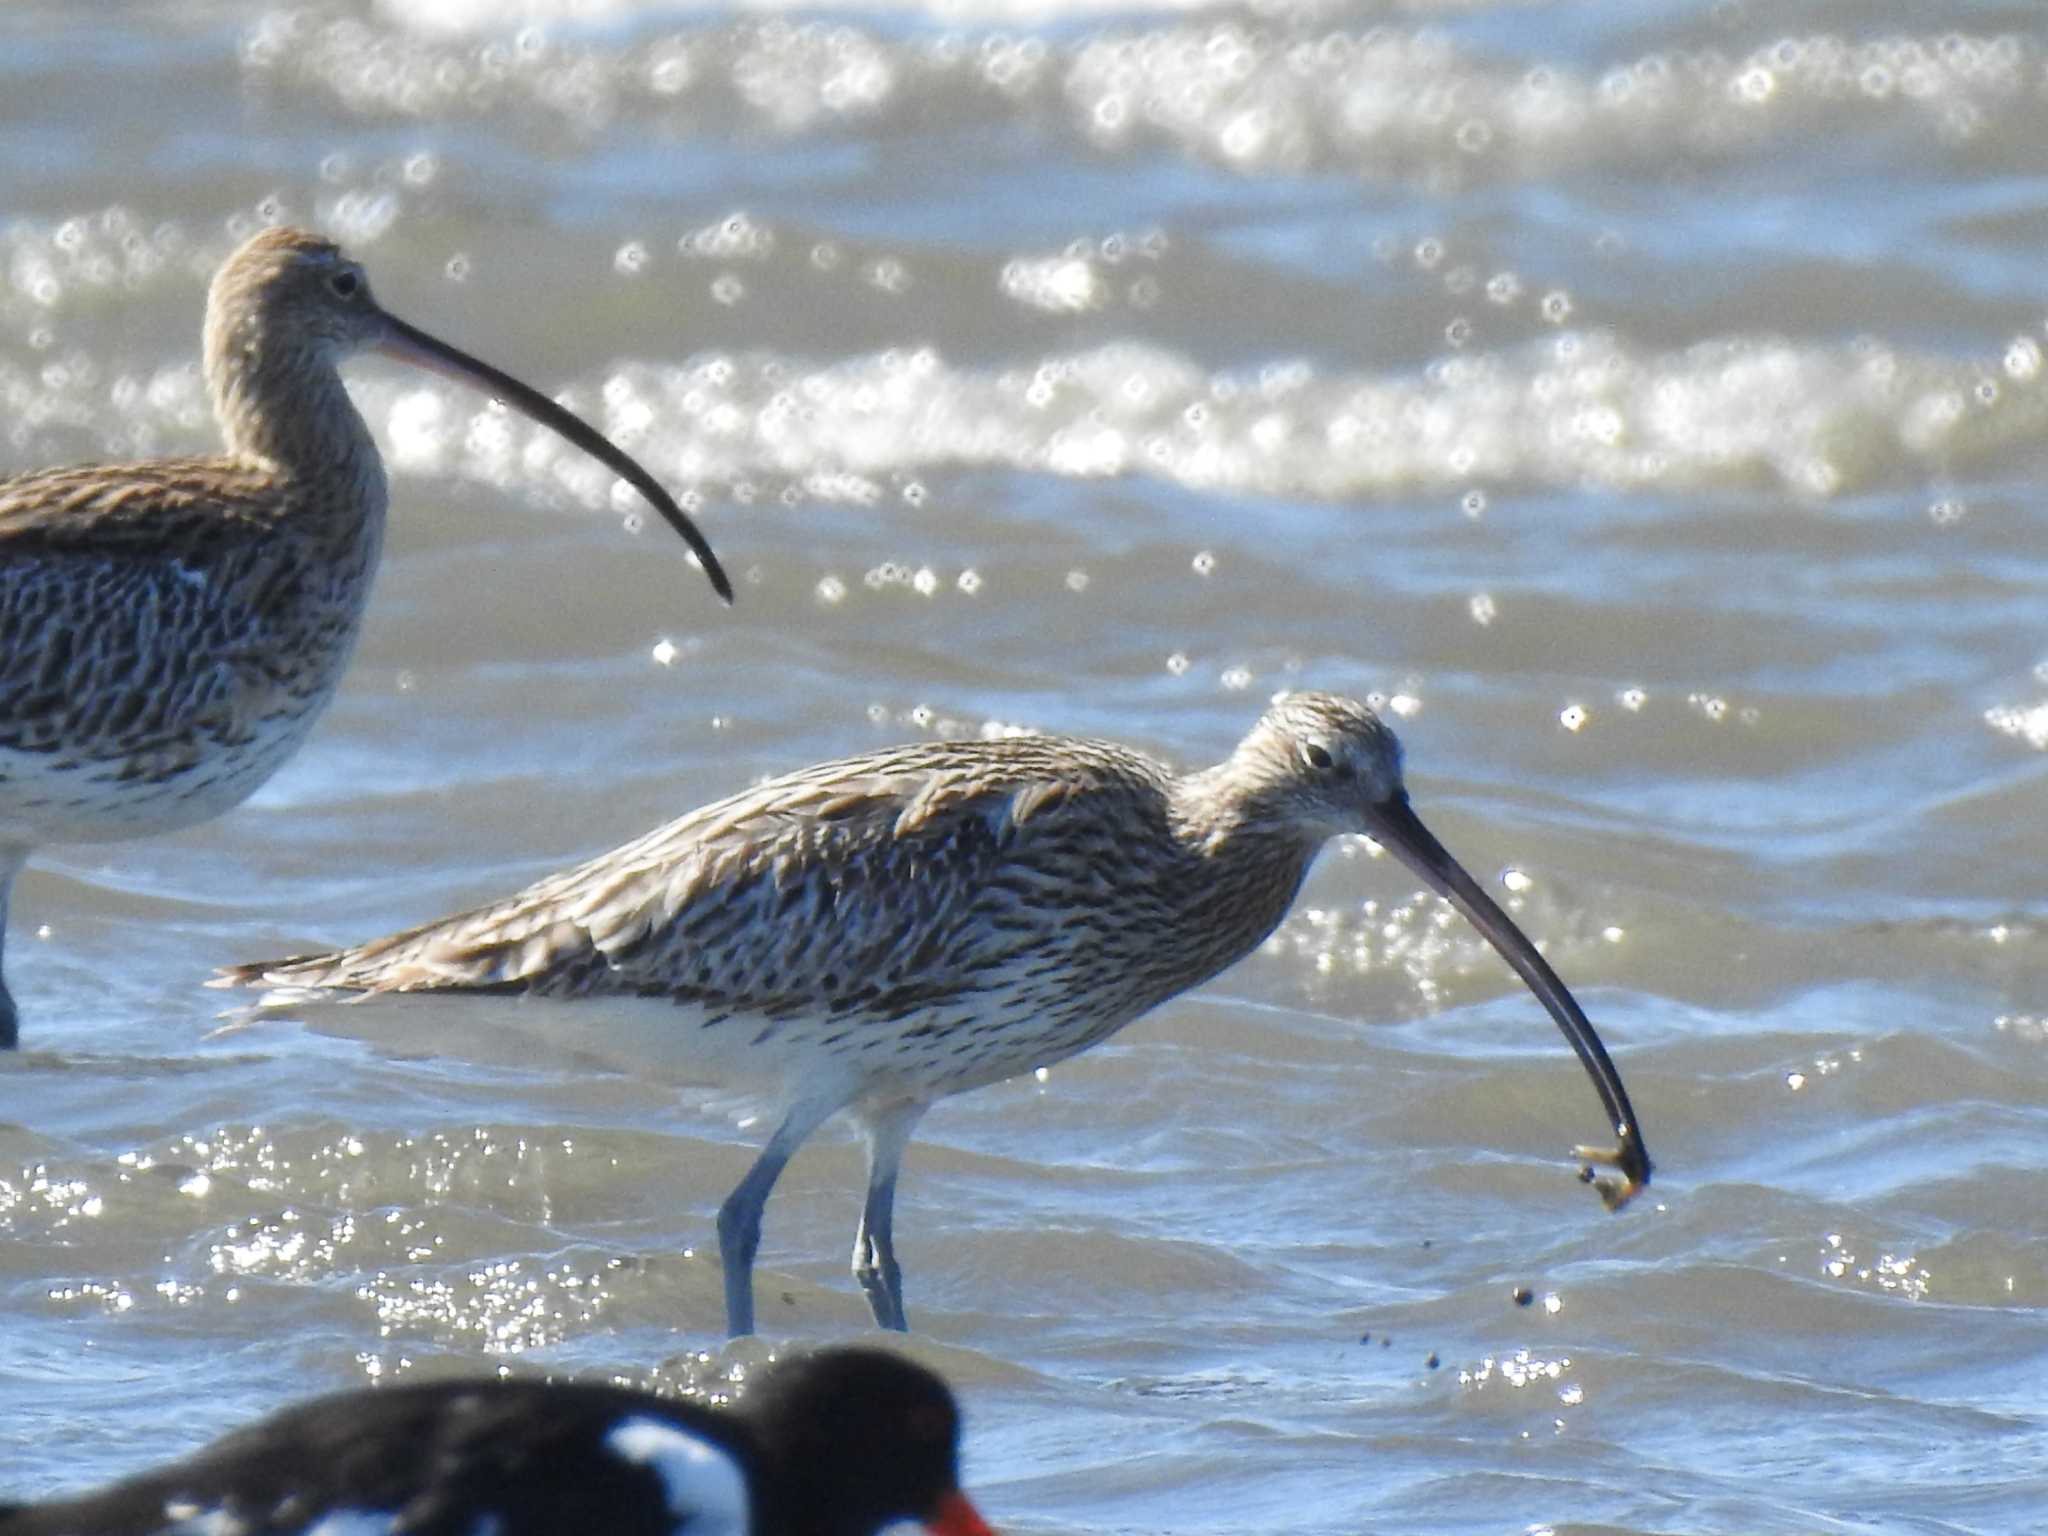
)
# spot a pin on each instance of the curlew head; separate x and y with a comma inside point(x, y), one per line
point(1326, 765)
point(287, 289)
point(1315, 761)
point(288, 306)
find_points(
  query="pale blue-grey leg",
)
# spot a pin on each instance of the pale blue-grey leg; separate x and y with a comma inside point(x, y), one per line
point(11, 860)
point(739, 1219)
point(874, 1245)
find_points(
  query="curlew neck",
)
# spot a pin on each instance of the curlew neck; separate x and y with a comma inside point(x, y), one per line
point(1252, 857)
point(279, 398)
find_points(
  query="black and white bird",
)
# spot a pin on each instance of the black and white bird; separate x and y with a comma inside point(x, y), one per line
point(839, 1443)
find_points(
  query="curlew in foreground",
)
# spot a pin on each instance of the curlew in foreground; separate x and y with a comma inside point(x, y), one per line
point(169, 631)
point(879, 932)
point(840, 1443)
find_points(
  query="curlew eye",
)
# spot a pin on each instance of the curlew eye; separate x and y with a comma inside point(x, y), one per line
point(1318, 758)
point(344, 284)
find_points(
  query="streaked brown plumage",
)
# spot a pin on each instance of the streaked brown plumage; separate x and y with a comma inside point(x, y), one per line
point(876, 933)
point(169, 631)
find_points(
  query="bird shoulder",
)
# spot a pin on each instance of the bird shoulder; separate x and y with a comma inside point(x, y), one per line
point(138, 509)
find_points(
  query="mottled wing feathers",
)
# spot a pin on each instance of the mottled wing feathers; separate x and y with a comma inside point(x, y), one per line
point(878, 882)
point(145, 510)
point(151, 624)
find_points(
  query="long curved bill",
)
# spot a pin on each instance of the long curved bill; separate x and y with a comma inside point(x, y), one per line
point(1396, 828)
point(409, 344)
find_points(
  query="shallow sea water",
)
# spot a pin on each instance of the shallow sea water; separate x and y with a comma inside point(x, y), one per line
point(1644, 404)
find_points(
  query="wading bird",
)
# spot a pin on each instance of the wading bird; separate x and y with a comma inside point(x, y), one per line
point(876, 933)
point(170, 630)
point(838, 1443)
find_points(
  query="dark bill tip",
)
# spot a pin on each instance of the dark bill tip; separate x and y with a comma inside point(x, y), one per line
point(1395, 827)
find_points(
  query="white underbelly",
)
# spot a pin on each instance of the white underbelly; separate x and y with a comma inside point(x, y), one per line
point(758, 1061)
point(48, 797)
